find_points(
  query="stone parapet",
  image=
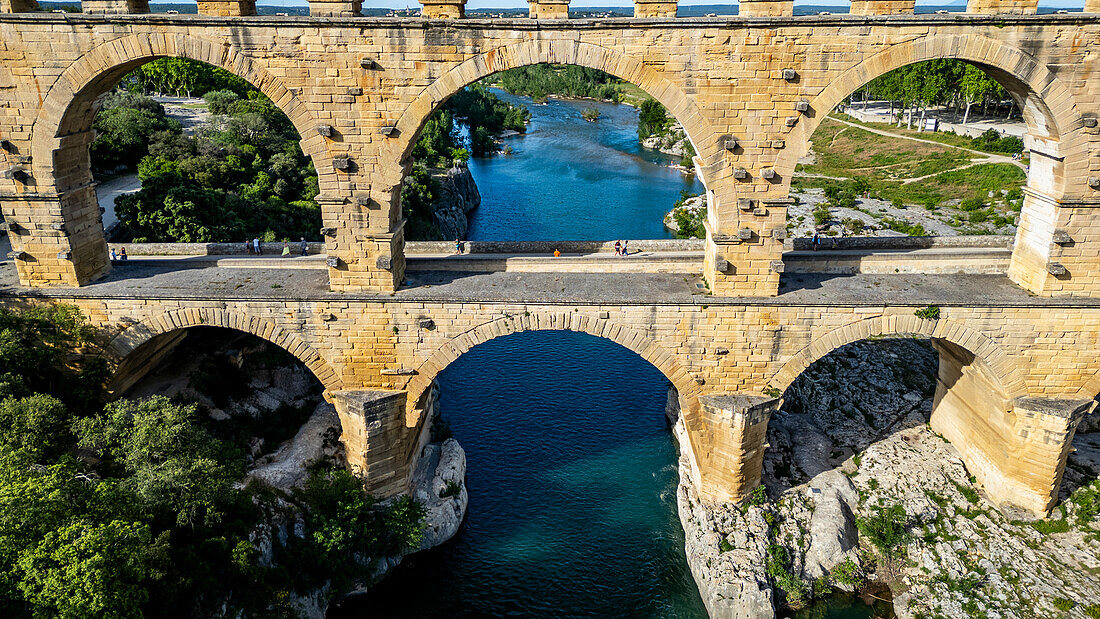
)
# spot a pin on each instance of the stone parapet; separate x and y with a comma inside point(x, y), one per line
point(766, 8)
point(548, 9)
point(114, 7)
point(221, 8)
point(655, 8)
point(999, 7)
point(444, 9)
point(882, 7)
point(335, 8)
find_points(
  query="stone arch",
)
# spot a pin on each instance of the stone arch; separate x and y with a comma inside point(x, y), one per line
point(675, 99)
point(1047, 104)
point(977, 343)
point(631, 339)
point(135, 336)
point(70, 104)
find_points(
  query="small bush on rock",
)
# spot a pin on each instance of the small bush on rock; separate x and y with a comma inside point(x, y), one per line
point(887, 528)
point(1063, 604)
point(848, 574)
point(932, 312)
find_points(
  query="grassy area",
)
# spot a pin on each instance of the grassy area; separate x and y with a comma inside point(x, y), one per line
point(976, 181)
point(845, 151)
point(949, 138)
point(633, 94)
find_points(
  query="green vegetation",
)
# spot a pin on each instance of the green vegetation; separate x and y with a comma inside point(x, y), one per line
point(932, 312)
point(540, 80)
point(689, 221)
point(849, 574)
point(450, 489)
point(135, 508)
point(887, 528)
point(653, 119)
point(590, 114)
point(1064, 604)
point(1092, 611)
point(778, 567)
point(243, 175)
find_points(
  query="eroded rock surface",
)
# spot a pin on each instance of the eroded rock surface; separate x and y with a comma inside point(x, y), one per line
point(851, 441)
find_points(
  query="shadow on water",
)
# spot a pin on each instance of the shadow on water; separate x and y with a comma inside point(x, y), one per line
point(572, 480)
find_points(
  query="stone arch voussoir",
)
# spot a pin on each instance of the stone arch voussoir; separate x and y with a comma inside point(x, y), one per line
point(634, 340)
point(981, 346)
point(129, 340)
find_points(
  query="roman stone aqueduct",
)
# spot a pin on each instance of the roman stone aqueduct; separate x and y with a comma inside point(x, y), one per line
point(1018, 365)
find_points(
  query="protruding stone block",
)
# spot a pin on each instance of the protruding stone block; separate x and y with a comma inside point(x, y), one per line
point(655, 8)
point(378, 445)
point(444, 9)
point(233, 8)
point(766, 8)
point(729, 445)
point(114, 7)
point(882, 7)
point(337, 8)
point(548, 9)
point(1003, 7)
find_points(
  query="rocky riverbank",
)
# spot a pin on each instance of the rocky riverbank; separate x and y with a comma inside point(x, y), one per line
point(456, 197)
point(862, 496)
point(673, 141)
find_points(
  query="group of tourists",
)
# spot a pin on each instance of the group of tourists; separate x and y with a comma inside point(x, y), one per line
point(255, 247)
point(620, 248)
point(119, 255)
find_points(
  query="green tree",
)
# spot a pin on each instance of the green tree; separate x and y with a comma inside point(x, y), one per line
point(652, 118)
point(88, 570)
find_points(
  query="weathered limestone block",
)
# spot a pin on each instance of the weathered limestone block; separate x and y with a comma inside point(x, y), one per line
point(378, 446)
point(548, 9)
point(729, 445)
point(1092, 6)
point(222, 8)
point(882, 7)
point(766, 8)
point(1015, 448)
point(56, 241)
point(335, 8)
point(114, 7)
point(1057, 242)
point(18, 6)
point(655, 8)
point(1014, 7)
point(444, 9)
point(743, 268)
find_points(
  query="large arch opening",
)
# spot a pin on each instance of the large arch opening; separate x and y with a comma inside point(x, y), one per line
point(888, 470)
point(571, 473)
point(946, 146)
point(241, 172)
point(576, 153)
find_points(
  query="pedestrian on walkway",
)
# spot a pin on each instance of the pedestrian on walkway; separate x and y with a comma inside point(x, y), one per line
point(817, 240)
point(114, 255)
point(304, 246)
point(247, 246)
point(256, 249)
point(286, 247)
point(458, 246)
point(122, 255)
point(625, 250)
point(618, 248)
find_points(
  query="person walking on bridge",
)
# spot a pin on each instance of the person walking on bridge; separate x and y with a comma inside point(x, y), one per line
point(256, 246)
point(304, 246)
point(618, 248)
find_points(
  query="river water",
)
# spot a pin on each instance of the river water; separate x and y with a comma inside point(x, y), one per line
point(571, 466)
point(570, 179)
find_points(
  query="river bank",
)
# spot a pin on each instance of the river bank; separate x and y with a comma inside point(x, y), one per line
point(851, 444)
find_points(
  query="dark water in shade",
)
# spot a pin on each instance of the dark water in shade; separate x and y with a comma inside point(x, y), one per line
point(572, 480)
point(570, 179)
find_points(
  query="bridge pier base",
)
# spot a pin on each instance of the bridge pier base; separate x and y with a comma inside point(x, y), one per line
point(1016, 448)
point(378, 445)
point(729, 445)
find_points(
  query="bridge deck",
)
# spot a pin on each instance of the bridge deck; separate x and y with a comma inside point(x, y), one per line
point(164, 279)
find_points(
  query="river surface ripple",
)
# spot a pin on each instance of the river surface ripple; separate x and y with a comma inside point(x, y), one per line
point(570, 179)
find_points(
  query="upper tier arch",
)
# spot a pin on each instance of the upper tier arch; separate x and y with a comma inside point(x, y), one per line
point(71, 103)
point(558, 51)
point(1047, 104)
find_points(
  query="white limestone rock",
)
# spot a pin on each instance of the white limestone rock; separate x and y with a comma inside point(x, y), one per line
point(286, 468)
point(833, 535)
point(441, 469)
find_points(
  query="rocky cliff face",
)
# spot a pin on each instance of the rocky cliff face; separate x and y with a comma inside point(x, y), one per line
point(458, 195)
point(852, 442)
point(673, 142)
